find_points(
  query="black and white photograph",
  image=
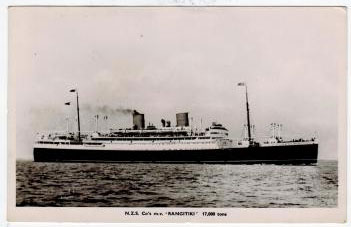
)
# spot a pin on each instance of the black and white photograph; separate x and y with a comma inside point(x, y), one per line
point(178, 107)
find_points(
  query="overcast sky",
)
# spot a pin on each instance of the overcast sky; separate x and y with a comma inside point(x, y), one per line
point(160, 61)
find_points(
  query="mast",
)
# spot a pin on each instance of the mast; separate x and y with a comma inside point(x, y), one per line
point(248, 115)
point(96, 122)
point(247, 111)
point(76, 91)
point(78, 117)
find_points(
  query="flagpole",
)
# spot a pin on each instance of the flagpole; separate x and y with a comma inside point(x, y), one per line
point(67, 117)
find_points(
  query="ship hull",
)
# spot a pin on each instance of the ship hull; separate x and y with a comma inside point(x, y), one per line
point(291, 154)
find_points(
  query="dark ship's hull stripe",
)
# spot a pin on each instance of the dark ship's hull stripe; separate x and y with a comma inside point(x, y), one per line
point(302, 154)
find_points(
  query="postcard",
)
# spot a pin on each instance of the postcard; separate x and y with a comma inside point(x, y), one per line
point(177, 114)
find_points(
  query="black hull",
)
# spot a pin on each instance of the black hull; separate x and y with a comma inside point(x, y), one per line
point(293, 155)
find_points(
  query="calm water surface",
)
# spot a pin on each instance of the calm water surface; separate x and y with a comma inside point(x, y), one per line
point(175, 185)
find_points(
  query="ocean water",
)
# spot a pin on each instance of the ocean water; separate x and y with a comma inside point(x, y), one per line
point(175, 185)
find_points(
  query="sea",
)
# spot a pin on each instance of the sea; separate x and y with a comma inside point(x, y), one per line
point(176, 185)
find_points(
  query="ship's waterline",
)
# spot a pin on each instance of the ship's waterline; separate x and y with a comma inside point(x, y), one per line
point(294, 154)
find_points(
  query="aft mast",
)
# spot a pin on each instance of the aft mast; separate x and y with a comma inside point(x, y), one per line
point(247, 111)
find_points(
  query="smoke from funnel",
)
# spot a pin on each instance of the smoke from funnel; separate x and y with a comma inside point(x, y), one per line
point(107, 110)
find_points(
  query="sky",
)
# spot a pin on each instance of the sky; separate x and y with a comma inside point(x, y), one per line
point(161, 61)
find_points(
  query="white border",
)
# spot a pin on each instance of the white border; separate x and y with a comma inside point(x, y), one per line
point(3, 113)
point(4, 70)
point(178, 2)
point(348, 92)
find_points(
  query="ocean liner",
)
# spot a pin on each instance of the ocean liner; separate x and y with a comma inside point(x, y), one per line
point(173, 144)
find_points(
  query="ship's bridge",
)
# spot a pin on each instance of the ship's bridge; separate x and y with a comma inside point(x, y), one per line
point(216, 130)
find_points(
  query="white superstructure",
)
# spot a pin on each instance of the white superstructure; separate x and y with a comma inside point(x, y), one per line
point(166, 138)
